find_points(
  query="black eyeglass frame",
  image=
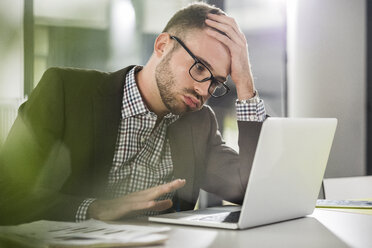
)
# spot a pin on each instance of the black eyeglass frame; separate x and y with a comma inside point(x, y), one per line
point(212, 78)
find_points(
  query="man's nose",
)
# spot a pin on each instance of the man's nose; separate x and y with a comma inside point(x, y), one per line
point(202, 88)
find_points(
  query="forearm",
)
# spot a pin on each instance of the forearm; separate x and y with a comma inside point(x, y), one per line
point(227, 172)
point(245, 86)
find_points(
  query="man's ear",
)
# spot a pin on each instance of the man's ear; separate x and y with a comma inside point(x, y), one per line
point(162, 44)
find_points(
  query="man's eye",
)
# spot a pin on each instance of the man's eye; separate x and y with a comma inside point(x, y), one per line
point(200, 68)
point(214, 84)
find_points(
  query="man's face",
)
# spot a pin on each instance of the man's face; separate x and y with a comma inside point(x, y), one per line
point(178, 91)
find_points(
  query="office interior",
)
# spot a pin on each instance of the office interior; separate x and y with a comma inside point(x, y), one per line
point(310, 58)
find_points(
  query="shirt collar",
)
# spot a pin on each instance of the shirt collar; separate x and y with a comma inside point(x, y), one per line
point(132, 100)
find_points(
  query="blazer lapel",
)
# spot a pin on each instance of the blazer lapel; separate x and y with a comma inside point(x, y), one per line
point(107, 111)
point(181, 143)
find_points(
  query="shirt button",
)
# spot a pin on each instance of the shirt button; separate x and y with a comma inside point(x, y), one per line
point(142, 139)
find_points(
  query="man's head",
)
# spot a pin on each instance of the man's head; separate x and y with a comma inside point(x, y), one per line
point(190, 18)
point(174, 88)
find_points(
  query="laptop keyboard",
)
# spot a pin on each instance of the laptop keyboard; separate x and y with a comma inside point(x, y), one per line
point(232, 217)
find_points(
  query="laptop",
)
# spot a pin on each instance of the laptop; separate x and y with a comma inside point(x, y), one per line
point(285, 180)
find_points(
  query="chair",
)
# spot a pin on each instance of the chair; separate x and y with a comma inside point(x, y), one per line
point(344, 188)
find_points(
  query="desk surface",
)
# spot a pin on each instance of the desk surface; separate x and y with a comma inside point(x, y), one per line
point(324, 228)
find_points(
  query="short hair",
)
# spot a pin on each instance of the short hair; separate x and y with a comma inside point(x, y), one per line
point(190, 18)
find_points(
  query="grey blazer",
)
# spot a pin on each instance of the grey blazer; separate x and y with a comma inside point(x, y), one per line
point(60, 149)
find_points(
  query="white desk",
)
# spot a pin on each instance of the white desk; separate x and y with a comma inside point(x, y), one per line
point(322, 229)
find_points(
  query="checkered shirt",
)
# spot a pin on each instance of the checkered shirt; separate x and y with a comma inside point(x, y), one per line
point(250, 111)
point(142, 156)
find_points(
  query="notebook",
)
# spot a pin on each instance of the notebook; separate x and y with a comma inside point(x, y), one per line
point(284, 183)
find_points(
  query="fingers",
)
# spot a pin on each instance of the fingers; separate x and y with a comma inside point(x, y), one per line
point(157, 206)
point(234, 38)
point(162, 205)
point(226, 25)
point(225, 20)
point(139, 205)
point(156, 192)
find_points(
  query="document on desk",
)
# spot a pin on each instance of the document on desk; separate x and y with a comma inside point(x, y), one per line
point(91, 233)
point(344, 204)
point(361, 206)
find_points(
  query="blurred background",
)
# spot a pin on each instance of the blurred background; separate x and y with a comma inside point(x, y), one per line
point(310, 58)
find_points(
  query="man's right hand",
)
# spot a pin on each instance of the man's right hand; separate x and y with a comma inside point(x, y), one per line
point(116, 208)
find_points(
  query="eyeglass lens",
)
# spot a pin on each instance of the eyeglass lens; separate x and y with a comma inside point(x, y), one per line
point(217, 89)
point(201, 74)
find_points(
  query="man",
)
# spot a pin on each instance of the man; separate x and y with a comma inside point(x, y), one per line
point(99, 145)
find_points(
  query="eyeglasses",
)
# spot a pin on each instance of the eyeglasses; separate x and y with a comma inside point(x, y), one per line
point(201, 73)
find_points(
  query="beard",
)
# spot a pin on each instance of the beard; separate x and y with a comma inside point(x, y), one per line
point(166, 83)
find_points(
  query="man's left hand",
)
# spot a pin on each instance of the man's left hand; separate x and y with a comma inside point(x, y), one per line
point(235, 41)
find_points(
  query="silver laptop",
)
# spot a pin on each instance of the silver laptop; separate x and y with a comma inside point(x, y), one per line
point(286, 176)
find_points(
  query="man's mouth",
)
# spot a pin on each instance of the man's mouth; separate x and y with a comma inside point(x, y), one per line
point(192, 102)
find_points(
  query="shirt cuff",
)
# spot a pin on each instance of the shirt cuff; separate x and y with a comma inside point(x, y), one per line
point(254, 111)
point(81, 213)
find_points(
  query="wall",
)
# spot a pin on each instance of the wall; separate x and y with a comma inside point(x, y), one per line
point(81, 13)
point(11, 62)
point(327, 74)
point(11, 49)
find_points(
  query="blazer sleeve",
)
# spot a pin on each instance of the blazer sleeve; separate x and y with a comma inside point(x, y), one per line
point(29, 148)
point(227, 171)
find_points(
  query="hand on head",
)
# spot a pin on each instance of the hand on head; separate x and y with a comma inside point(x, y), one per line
point(226, 30)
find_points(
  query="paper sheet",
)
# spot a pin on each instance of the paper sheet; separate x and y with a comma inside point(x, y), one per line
point(91, 233)
point(353, 204)
point(356, 206)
